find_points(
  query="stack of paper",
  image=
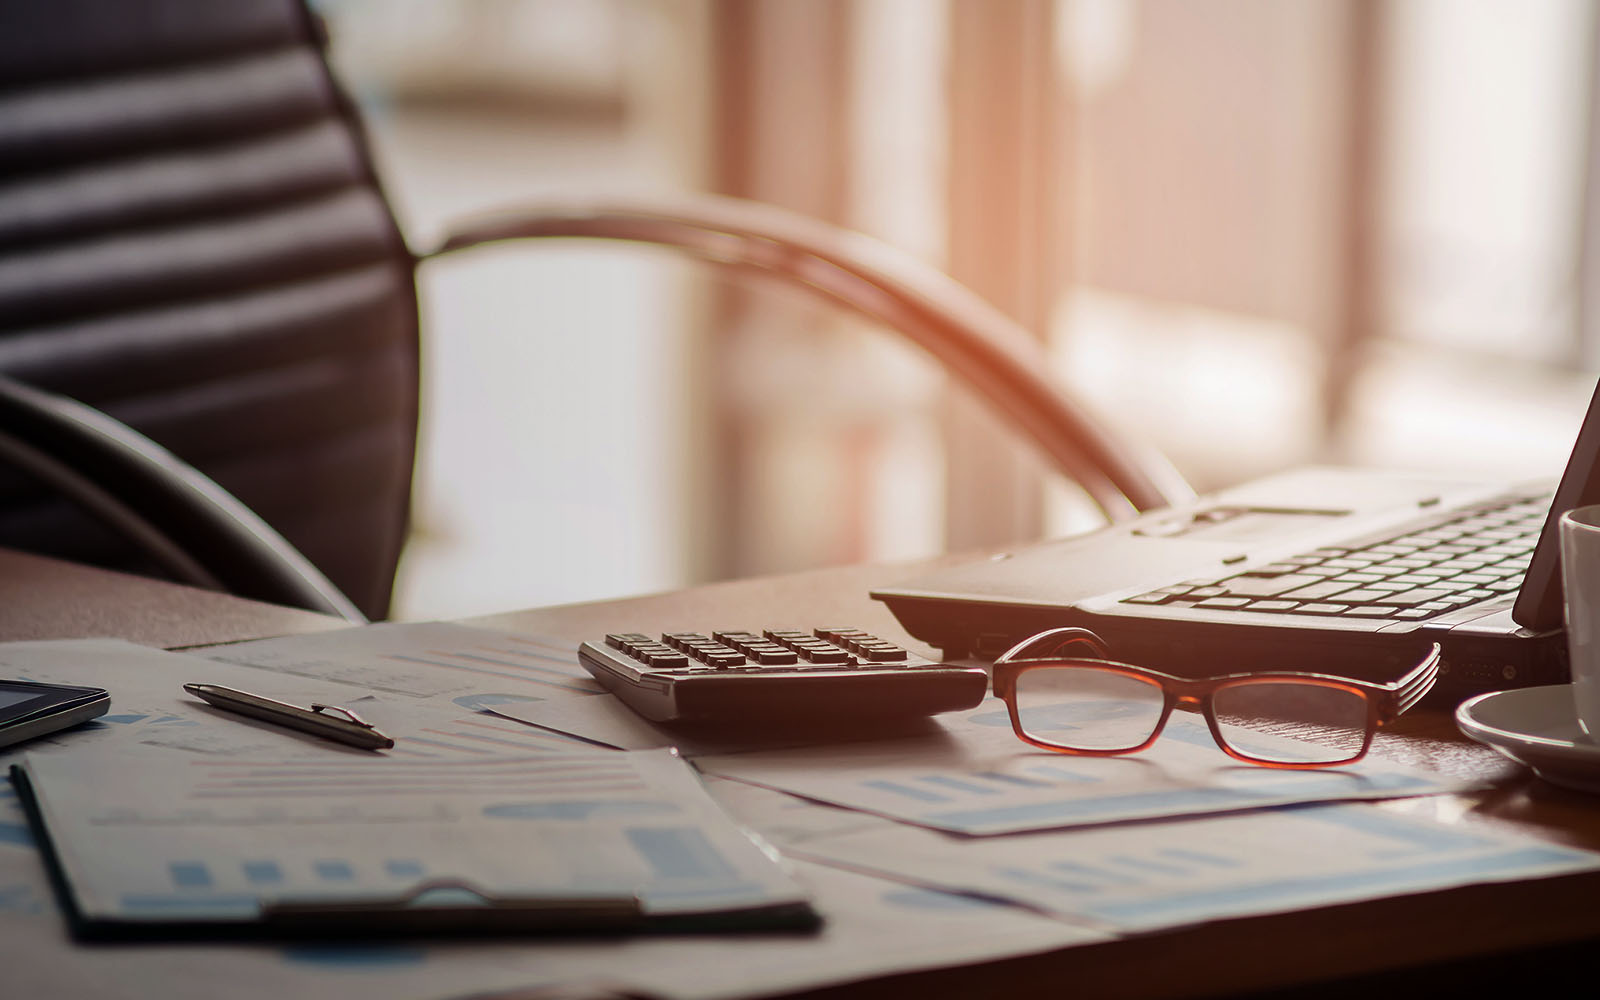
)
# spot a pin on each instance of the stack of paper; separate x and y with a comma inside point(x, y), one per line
point(593, 840)
point(951, 844)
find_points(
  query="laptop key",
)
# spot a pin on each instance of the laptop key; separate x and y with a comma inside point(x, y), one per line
point(1411, 598)
point(1224, 602)
point(1320, 571)
point(1362, 596)
point(1276, 569)
point(1270, 605)
point(1154, 597)
point(1412, 562)
point(1322, 609)
point(1316, 591)
point(1252, 585)
point(1364, 576)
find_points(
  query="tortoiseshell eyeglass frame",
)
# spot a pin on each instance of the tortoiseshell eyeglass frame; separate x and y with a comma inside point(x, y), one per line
point(1076, 647)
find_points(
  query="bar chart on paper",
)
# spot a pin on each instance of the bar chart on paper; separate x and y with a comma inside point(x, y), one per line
point(145, 841)
point(976, 778)
point(1145, 876)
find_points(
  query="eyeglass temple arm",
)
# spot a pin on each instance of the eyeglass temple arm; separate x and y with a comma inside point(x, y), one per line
point(1416, 684)
point(1054, 641)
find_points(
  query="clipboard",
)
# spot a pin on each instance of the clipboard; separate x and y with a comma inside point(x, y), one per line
point(125, 865)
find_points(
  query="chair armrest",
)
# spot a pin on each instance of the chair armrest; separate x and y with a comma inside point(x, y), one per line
point(974, 341)
point(194, 528)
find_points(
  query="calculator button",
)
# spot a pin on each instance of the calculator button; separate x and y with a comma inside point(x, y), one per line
point(680, 639)
point(829, 655)
point(882, 654)
point(786, 636)
point(838, 634)
point(775, 656)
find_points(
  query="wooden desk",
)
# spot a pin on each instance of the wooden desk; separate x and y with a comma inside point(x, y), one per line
point(1487, 936)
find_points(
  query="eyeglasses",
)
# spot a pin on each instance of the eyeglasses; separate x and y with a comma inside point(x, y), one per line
point(1089, 704)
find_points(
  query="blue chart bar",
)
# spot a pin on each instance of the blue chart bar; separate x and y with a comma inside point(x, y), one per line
point(896, 788)
point(334, 871)
point(263, 872)
point(960, 784)
point(403, 868)
point(190, 875)
point(1014, 779)
point(679, 853)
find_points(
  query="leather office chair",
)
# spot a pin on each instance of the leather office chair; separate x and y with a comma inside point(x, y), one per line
point(193, 240)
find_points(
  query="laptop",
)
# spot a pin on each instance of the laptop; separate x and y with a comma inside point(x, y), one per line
point(1346, 571)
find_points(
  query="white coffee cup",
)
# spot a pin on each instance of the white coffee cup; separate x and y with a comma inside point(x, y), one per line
point(1580, 579)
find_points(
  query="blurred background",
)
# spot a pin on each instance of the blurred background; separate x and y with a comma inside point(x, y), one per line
point(1252, 233)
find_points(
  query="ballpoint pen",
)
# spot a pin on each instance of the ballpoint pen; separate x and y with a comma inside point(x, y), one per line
point(351, 729)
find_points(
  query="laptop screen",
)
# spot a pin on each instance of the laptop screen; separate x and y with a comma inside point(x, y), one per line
point(1538, 604)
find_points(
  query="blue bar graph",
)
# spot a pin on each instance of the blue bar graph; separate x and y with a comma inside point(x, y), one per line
point(334, 871)
point(190, 875)
point(263, 872)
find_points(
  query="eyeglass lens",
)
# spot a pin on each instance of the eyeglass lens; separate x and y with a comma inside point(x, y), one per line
point(1090, 708)
point(1289, 723)
point(1084, 708)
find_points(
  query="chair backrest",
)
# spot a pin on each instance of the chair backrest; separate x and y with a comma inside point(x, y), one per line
point(192, 239)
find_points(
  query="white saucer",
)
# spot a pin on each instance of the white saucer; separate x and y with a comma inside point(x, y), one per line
point(1537, 727)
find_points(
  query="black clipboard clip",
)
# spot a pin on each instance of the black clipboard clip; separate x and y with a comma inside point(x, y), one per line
point(452, 904)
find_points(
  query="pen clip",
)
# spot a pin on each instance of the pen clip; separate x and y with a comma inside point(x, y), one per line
point(349, 715)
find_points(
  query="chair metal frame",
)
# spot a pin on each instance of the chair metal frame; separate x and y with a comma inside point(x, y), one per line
point(204, 537)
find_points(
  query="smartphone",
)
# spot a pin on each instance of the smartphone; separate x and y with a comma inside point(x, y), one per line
point(28, 709)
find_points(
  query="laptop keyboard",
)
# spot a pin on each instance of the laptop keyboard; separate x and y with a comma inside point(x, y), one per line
point(1479, 554)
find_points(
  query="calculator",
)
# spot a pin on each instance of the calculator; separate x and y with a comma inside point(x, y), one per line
point(777, 675)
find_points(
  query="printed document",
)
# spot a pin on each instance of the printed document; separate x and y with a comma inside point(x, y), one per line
point(158, 839)
point(424, 659)
point(1145, 876)
point(975, 777)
